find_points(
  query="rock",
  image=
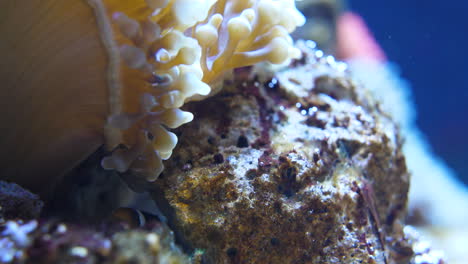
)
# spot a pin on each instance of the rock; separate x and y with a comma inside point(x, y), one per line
point(422, 250)
point(311, 171)
point(16, 202)
point(146, 248)
point(58, 242)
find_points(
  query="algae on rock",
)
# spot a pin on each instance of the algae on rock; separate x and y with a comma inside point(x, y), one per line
point(267, 174)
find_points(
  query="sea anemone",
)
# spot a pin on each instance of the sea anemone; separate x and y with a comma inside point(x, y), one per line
point(80, 74)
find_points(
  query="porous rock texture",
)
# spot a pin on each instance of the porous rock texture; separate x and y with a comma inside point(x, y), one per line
point(28, 235)
point(53, 241)
point(297, 166)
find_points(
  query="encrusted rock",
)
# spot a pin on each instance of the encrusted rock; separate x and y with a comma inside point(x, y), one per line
point(58, 242)
point(287, 169)
point(16, 202)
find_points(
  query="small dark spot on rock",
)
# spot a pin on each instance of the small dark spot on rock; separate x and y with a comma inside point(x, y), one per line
point(211, 140)
point(402, 249)
point(344, 122)
point(287, 184)
point(242, 142)
point(322, 210)
point(278, 208)
point(251, 174)
point(327, 242)
point(280, 188)
point(350, 147)
point(324, 107)
point(282, 116)
point(282, 159)
point(332, 87)
point(294, 81)
point(150, 136)
point(316, 157)
point(291, 174)
point(313, 121)
point(223, 136)
point(218, 158)
point(299, 62)
point(274, 241)
point(355, 188)
point(394, 213)
point(231, 252)
point(288, 193)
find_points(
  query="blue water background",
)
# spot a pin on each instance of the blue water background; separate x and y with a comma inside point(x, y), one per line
point(429, 41)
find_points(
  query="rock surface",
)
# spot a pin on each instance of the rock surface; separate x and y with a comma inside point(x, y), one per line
point(16, 202)
point(57, 242)
point(296, 167)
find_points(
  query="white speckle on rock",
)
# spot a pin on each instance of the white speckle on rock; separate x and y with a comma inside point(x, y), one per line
point(19, 233)
point(247, 160)
point(80, 252)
